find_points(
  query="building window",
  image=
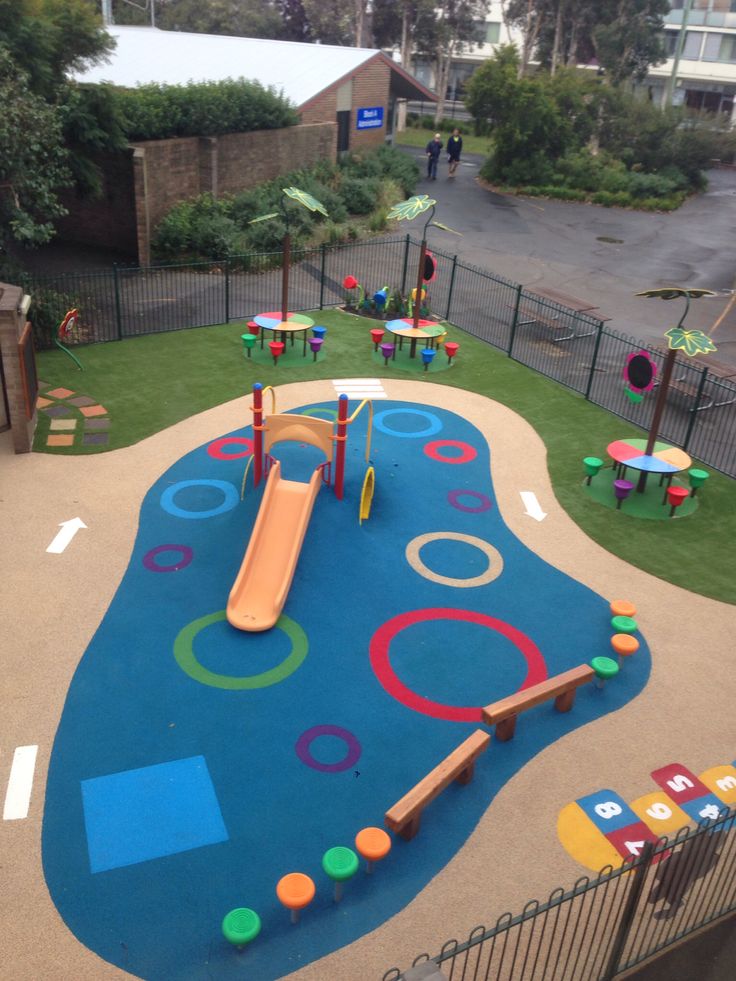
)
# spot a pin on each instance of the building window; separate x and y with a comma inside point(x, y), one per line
point(693, 41)
point(720, 47)
point(493, 32)
point(670, 42)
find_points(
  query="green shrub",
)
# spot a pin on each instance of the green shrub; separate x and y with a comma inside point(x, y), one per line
point(649, 186)
point(360, 196)
point(612, 199)
point(156, 112)
point(48, 309)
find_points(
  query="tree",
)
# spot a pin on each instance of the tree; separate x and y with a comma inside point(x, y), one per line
point(33, 161)
point(235, 18)
point(623, 35)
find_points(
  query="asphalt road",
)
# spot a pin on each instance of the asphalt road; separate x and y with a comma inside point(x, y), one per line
point(603, 255)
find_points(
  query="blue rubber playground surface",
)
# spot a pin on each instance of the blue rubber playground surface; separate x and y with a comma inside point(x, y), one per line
point(195, 765)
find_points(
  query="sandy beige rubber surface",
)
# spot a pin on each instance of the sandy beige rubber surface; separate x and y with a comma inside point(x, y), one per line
point(50, 606)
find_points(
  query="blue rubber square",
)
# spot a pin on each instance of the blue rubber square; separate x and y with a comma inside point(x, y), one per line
point(607, 810)
point(151, 812)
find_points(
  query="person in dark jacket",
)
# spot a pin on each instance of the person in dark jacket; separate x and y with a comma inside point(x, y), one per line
point(454, 149)
point(433, 151)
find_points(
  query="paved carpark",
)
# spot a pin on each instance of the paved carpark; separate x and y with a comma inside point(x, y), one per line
point(603, 255)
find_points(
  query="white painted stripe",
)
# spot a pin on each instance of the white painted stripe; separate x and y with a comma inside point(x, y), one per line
point(20, 784)
point(369, 392)
point(356, 381)
point(373, 396)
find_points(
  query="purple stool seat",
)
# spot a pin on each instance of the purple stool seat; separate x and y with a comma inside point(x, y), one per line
point(622, 489)
point(387, 350)
point(315, 343)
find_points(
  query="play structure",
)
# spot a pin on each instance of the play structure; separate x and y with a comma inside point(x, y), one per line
point(262, 585)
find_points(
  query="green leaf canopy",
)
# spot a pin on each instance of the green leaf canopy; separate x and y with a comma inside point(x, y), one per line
point(691, 342)
point(305, 199)
point(409, 209)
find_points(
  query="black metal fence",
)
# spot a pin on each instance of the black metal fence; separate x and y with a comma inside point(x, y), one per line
point(605, 926)
point(575, 349)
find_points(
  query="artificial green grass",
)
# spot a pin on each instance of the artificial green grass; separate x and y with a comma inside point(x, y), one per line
point(149, 383)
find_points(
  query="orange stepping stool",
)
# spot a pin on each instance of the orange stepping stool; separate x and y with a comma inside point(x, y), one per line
point(622, 608)
point(295, 891)
point(624, 645)
point(372, 844)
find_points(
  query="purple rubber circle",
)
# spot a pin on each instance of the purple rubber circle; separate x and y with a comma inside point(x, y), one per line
point(306, 739)
point(187, 554)
point(484, 503)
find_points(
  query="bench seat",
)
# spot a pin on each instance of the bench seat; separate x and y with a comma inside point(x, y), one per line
point(561, 687)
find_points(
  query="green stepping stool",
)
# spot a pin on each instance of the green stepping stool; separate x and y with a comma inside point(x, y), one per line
point(592, 465)
point(249, 342)
point(340, 864)
point(605, 668)
point(241, 926)
point(623, 625)
point(697, 479)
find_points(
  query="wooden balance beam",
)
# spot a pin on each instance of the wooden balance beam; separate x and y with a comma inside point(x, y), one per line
point(405, 815)
point(562, 687)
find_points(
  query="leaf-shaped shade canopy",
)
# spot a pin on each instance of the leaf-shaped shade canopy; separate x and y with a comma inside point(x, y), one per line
point(268, 217)
point(406, 210)
point(691, 342)
point(672, 292)
point(445, 228)
point(305, 199)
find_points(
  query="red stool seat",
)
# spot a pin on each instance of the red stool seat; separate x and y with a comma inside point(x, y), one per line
point(253, 327)
point(676, 495)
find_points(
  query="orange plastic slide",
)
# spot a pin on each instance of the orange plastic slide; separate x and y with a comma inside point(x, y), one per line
point(259, 592)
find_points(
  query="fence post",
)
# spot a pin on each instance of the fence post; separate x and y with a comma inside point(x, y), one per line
point(515, 319)
point(639, 875)
point(694, 410)
point(227, 290)
point(118, 312)
point(593, 363)
point(452, 283)
point(406, 263)
point(323, 257)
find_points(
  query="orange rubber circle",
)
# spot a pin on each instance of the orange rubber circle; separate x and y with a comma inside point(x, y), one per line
point(295, 890)
point(622, 608)
point(373, 843)
point(624, 644)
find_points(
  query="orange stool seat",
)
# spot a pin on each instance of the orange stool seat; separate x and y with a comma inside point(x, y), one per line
point(295, 891)
point(622, 608)
point(624, 645)
point(373, 844)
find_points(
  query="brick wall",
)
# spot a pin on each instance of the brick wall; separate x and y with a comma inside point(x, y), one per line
point(12, 321)
point(370, 88)
point(142, 184)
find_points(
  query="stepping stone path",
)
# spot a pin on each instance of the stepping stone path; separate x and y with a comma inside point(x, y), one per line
point(74, 420)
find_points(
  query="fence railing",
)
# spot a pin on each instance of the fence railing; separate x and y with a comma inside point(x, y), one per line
point(575, 349)
point(606, 925)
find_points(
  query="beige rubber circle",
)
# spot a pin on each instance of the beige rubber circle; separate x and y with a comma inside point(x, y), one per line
point(495, 562)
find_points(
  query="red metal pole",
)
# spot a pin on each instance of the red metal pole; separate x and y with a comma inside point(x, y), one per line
point(341, 438)
point(285, 277)
point(659, 407)
point(258, 432)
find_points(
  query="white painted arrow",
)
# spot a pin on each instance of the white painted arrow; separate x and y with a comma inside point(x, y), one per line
point(532, 507)
point(68, 531)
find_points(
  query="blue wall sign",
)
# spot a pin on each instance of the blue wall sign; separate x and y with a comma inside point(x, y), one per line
point(371, 118)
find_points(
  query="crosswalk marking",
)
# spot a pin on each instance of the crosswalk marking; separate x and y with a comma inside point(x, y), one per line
point(20, 783)
point(359, 388)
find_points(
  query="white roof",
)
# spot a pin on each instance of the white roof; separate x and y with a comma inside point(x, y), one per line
point(146, 54)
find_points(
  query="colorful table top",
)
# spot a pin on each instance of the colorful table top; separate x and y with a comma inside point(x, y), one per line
point(665, 459)
point(273, 321)
point(404, 328)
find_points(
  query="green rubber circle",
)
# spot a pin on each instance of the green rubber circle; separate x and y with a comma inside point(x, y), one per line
point(187, 661)
point(697, 477)
point(340, 863)
point(623, 625)
point(240, 926)
point(604, 667)
point(593, 462)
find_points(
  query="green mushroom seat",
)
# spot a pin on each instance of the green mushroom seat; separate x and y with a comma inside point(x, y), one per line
point(249, 341)
point(592, 465)
point(697, 478)
point(623, 625)
point(241, 926)
point(340, 864)
point(605, 668)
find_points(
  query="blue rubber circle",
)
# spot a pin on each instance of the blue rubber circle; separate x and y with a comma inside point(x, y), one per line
point(231, 498)
point(435, 424)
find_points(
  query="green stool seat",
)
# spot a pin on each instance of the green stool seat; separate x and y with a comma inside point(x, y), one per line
point(340, 864)
point(592, 465)
point(605, 668)
point(240, 926)
point(697, 479)
point(249, 341)
point(623, 625)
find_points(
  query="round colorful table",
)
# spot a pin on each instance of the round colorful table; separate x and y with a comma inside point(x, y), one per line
point(404, 327)
point(294, 324)
point(667, 460)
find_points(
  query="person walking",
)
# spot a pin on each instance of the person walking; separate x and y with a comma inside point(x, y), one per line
point(433, 151)
point(454, 149)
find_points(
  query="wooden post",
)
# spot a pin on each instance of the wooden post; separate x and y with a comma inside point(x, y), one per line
point(659, 407)
point(420, 283)
point(342, 435)
point(285, 277)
